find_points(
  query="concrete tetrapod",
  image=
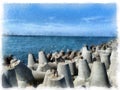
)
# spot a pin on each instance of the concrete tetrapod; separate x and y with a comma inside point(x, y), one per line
point(72, 55)
point(94, 55)
point(5, 82)
point(97, 48)
point(105, 58)
point(38, 75)
point(9, 78)
point(52, 65)
point(58, 81)
point(84, 49)
point(83, 73)
point(35, 66)
point(63, 68)
point(72, 66)
point(76, 62)
point(48, 73)
point(77, 59)
point(98, 75)
point(87, 55)
point(43, 67)
point(109, 50)
point(31, 60)
point(52, 79)
point(23, 74)
point(112, 73)
point(42, 58)
point(101, 51)
point(113, 56)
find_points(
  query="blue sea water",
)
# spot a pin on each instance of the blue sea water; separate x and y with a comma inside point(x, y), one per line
point(20, 46)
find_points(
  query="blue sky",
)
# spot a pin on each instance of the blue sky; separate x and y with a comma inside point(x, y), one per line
point(60, 19)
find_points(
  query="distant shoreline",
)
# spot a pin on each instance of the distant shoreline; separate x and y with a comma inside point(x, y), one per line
point(55, 36)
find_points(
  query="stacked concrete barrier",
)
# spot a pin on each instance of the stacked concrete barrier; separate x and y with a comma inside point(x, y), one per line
point(72, 66)
point(31, 60)
point(105, 58)
point(109, 50)
point(95, 67)
point(35, 66)
point(58, 82)
point(5, 82)
point(42, 58)
point(87, 54)
point(52, 65)
point(84, 48)
point(52, 79)
point(112, 73)
point(43, 67)
point(38, 75)
point(23, 74)
point(113, 69)
point(63, 68)
point(71, 56)
point(99, 75)
point(83, 73)
point(113, 56)
point(77, 59)
point(9, 78)
point(48, 73)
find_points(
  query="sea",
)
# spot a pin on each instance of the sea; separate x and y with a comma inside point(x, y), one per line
point(20, 46)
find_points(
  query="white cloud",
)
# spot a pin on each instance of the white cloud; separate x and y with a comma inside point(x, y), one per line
point(96, 19)
point(88, 19)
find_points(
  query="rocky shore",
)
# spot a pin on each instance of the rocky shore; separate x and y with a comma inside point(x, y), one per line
point(90, 66)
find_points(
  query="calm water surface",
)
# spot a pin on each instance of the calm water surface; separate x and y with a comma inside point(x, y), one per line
point(20, 46)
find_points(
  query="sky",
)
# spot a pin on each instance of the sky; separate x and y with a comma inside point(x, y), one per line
point(60, 19)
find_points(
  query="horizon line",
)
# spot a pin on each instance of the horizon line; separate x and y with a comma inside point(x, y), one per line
point(56, 35)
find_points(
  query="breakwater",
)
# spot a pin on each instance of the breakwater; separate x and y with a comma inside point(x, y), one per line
point(89, 66)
